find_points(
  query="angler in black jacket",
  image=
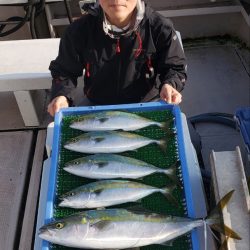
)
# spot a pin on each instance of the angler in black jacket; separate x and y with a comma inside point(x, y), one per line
point(123, 48)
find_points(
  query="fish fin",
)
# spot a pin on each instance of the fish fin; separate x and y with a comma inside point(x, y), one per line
point(165, 126)
point(99, 139)
point(100, 208)
point(98, 191)
point(101, 225)
point(169, 243)
point(223, 229)
point(167, 192)
point(138, 209)
point(140, 178)
point(102, 164)
point(133, 150)
point(215, 220)
point(139, 201)
point(104, 119)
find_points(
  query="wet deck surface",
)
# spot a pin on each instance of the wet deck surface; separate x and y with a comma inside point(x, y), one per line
point(219, 81)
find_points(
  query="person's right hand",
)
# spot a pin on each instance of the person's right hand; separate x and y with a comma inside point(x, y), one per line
point(56, 104)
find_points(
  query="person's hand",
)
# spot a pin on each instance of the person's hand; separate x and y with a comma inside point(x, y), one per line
point(56, 104)
point(170, 94)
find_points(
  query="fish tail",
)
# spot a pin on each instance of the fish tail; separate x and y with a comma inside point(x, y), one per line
point(165, 126)
point(162, 144)
point(167, 192)
point(223, 246)
point(215, 219)
point(171, 172)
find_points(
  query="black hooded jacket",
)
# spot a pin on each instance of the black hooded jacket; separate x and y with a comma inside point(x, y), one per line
point(118, 70)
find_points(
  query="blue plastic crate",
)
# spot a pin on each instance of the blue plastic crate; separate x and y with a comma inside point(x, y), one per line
point(192, 190)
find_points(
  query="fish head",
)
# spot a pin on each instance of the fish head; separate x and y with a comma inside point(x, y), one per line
point(74, 199)
point(79, 124)
point(76, 142)
point(71, 143)
point(75, 165)
point(68, 232)
point(87, 140)
point(80, 165)
point(76, 124)
point(67, 199)
point(83, 122)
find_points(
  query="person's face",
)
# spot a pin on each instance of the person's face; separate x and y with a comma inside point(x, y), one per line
point(118, 12)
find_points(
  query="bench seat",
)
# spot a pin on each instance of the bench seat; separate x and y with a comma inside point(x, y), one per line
point(23, 68)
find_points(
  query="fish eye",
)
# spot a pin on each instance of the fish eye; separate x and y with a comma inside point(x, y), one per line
point(76, 162)
point(72, 194)
point(59, 225)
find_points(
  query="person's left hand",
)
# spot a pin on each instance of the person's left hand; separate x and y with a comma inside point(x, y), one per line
point(170, 94)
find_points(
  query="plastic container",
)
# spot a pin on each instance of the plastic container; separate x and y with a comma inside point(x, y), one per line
point(191, 192)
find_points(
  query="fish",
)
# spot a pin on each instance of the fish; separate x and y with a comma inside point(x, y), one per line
point(110, 192)
point(110, 166)
point(114, 120)
point(110, 142)
point(124, 228)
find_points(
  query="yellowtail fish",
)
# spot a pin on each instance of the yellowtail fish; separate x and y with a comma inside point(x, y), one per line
point(110, 192)
point(114, 120)
point(111, 166)
point(122, 228)
point(110, 142)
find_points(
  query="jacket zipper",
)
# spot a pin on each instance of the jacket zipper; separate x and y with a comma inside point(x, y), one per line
point(119, 62)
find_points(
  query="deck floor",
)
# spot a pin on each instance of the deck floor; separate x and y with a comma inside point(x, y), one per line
point(15, 153)
point(218, 81)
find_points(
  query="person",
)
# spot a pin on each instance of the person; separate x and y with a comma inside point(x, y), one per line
point(124, 49)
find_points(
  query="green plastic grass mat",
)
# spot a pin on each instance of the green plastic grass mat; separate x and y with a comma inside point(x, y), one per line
point(151, 154)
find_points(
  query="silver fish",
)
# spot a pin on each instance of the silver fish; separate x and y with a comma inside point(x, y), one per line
point(121, 228)
point(110, 192)
point(114, 120)
point(110, 166)
point(109, 142)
